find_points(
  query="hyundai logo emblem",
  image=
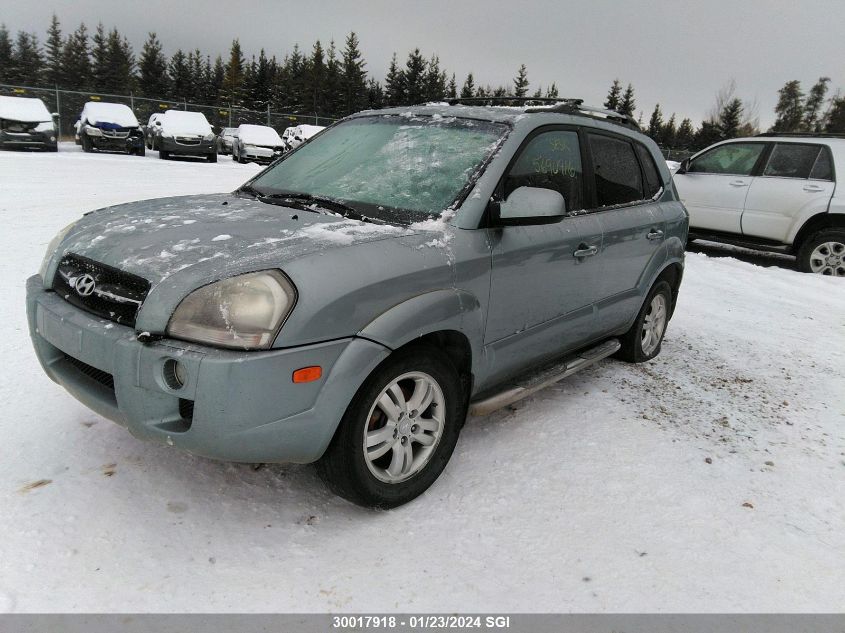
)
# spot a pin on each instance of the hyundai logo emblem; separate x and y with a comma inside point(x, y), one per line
point(84, 285)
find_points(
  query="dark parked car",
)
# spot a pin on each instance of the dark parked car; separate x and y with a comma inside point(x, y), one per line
point(183, 133)
point(111, 127)
point(25, 123)
point(351, 304)
point(225, 140)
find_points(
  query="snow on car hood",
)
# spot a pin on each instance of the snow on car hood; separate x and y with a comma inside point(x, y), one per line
point(24, 109)
point(115, 113)
point(215, 236)
point(259, 135)
point(179, 122)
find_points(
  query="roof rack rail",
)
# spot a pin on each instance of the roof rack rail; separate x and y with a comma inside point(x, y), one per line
point(562, 105)
point(808, 134)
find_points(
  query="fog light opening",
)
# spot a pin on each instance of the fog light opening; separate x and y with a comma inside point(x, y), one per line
point(175, 374)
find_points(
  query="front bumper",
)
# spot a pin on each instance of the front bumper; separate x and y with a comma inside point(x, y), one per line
point(187, 148)
point(27, 140)
point(260, 154)
point(234, 406)
point(117, 144)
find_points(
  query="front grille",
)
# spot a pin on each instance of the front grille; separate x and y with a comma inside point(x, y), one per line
point(115, 133)
point(187, 140)
point(102, 290)
point(102, 377)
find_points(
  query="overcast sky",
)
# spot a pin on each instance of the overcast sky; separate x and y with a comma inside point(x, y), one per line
point(675, 52)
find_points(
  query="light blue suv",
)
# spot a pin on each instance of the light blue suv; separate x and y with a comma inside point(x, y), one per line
point(355, 300)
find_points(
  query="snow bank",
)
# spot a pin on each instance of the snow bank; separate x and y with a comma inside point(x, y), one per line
point(180, 122)
point(259, 135)
point(117, 113)
point(24, 109)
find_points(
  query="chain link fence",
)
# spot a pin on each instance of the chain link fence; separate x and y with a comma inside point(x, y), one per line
point(68, 104)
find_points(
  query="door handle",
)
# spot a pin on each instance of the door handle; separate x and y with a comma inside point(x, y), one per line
point(738, 183)
point(654, 234)
point(813, 188)
point(586, 251)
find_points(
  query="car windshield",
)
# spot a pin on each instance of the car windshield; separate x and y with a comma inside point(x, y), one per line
point(393, 167)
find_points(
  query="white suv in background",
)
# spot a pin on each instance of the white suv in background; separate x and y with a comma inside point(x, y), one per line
point(770, 192)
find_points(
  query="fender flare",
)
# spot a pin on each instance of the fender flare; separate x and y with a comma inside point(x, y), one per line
point(434, 311)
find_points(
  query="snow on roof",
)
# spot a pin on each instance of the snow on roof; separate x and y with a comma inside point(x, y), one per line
point(24, 109)
point(258, 135)
point(307, 131)
point(180, 122)
point(97, 112)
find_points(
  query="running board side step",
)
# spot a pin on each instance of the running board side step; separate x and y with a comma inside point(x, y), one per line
point(532, 383)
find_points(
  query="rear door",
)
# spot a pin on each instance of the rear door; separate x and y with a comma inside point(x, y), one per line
point(716, 184)
point(626, 186)
point(795, 184)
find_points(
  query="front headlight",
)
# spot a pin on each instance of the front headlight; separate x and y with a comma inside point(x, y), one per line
point(51, 249)
point(208, 137)
point(243, 312)
point(90, 130)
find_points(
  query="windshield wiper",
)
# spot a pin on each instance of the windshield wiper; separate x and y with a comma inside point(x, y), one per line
point(250, 191)
point(327, 203)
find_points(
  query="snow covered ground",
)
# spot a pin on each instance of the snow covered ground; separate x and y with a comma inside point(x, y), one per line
point(711, 479)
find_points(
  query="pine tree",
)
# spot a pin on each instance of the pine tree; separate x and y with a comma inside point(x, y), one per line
point(53, 54)
point(613, 100)
point(120, 61)
point(686, 134)
point(414, 78)
point(434, 81)
point(332, 85)
point(375, 94)
point(539, 92)
point(655, 124)
point(99, 59)
point(315, 76)
point(76, 60)
point(551, 92)
point(520, 82)
point(180, 76)
point(233, 79)
point(6, 55)
point(706, 135)
point(294, 72)
point(835, 123)
point(669, 133)
point(452, 88)
point(394, 84)
point(215, 85)
point(152, 66)
point(468, 89)
point(357, 94)
point(790, 108)
point(27, 63)
point(628, 104)
point(730, 119)
point(812, 107)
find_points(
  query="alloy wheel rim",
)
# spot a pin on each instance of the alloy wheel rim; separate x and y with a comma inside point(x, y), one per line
point(653, 325)
point(828, 258)
point(404, 427)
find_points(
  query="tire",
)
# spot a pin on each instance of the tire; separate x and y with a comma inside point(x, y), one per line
point(86, 144)
point(823, 253)
point(163, 155)
point(344, 466)
point(141, 151)
point(211, 158)
point(638, 343)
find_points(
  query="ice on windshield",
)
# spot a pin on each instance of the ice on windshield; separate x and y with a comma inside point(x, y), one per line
point(415, 163)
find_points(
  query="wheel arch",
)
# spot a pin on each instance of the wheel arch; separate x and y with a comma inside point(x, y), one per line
point(817, 223)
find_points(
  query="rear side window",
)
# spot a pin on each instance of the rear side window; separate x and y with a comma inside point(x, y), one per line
point(653, 183)
point(735, 159)
point(791, 160)
point(822, 170)
point(550, 160)
point(617, 171)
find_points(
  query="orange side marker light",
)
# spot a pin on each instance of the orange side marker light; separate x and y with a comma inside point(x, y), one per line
point(308, 374)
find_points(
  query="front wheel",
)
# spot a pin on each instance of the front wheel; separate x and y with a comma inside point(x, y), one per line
point(823, 253)
point(163, 154)
point(399, 431)
point(642, 342)
point(211, 158)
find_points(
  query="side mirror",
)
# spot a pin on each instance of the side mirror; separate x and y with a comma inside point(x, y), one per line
point(529, 205)
point(684, 168)
point(55, 115)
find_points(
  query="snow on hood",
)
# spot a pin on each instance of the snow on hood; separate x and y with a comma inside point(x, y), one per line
point(179, 122)
point(116, 113)
point(158, 238)
point(24, 109)
point(259, 135)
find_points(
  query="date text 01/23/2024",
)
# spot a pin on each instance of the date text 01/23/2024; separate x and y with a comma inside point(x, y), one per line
point(421, 622)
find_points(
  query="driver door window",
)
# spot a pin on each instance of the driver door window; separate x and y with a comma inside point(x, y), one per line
point(735, 159)
point(551, 160)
